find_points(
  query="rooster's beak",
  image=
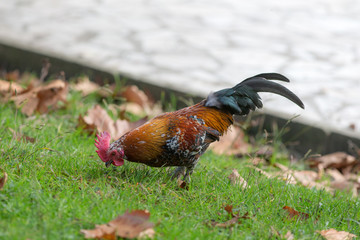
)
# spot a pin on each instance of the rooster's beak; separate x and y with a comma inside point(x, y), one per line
point(108, 163)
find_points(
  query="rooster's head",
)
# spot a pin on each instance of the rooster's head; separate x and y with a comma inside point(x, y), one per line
point(108, 154)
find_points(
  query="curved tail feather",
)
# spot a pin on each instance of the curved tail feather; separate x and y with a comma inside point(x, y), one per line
point(243, 97)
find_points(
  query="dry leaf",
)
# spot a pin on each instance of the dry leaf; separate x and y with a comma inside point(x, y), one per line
point(88, 127)
point(148, 233)
point(29, 80)
point(256, 161)
point(133, 108)
point(182, 184)
point(134, 94)
point(3, 180)
point(231, 143)
point(101, 231)
point(236, 179)
point(282, 167)
point(293, 214)
point(306, 178)
point(332, 234)
point(229, 209)
point(336, 175)
point(129, 225)
point(13, 75)
point(234, 176)
point(41, 98)
point(268, 175)
point(21, 137)
point(265, 152)
point(288, 236)
point(286, 174)
point(274, 231)
point(153, 110)
point(338, 160)
point(9, 87)
point(98, 119)
point(233, 221)
point(342, 185)
point(288, 177)
point(85, 86)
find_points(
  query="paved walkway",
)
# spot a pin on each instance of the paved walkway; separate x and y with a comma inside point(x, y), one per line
point(200, 46)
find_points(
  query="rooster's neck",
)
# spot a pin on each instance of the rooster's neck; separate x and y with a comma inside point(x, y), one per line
point(117, 144)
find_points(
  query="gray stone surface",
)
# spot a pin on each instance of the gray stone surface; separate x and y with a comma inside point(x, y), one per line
point(200, 46)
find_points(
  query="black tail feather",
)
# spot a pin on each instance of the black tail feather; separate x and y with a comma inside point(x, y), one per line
point(263, 85)
point(272, 76)
point(243, 97)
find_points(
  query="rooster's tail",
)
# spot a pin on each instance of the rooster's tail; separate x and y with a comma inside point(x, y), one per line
point(243, 97)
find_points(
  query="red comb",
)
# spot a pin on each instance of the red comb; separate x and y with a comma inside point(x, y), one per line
point(102, 143)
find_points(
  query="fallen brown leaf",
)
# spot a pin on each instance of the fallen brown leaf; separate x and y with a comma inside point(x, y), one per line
point(231, 143)
point(274, 231)
point(235, 218)
point(257, 160)
point(134, 94)
point(306, 178)
point(346, 186)
point(287, 177)
point(13, 75)
point(97, 119)
point(133, 108)
point(230, 223)
point(129, 225)
point(100, 232)
point(353, 177)
point(3, 180)
point(29, 80)
point(10, 88)
point(148, 233)
point(229, 209)
point(338, 160)
point(268, 175)
point(265, 152)
point(137, 98)
point(293, 214)
point(236, 179)
point(21, 137)
point(86, 126)
point(342, 182)
point(182, 184)
point(289, 236)
point(286, 174)
point(281, 167)
point(41, 98)
point(336, 175)
point(85, 86)
point(332, 234)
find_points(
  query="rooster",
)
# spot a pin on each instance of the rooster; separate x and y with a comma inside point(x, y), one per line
point(179, 138)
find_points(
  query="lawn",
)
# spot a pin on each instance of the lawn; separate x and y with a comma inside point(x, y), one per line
point(57, 186)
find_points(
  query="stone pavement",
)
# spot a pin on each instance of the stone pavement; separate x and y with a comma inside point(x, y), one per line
point(200, 46)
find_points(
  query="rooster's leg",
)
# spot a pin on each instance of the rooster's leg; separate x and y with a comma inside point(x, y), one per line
point(178, 172)
point(189, 171)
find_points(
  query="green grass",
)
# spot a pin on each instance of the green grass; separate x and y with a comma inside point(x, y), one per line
point(58, 186)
